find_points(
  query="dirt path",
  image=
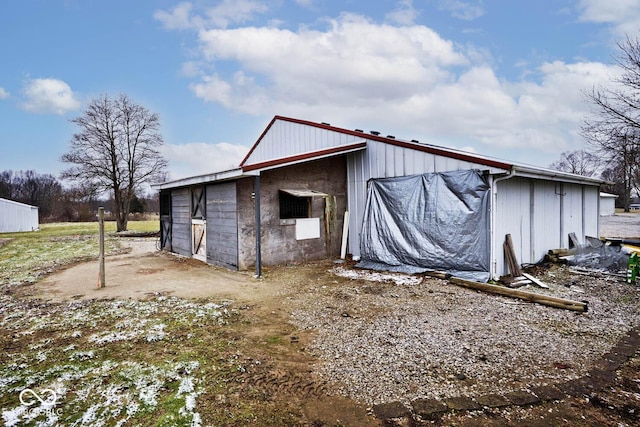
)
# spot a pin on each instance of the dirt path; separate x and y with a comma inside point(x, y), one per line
point(145, 272)
point(286, 374)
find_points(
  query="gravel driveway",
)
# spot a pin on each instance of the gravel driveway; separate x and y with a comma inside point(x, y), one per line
point(391, 337)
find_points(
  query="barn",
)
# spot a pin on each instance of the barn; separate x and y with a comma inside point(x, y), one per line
point(15, 217)
point(308, 191)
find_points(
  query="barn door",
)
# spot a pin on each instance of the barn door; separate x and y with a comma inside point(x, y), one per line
point(165, 233)
point(166, 220)
point(198, 203)
point(198, 223)
point(199, 239)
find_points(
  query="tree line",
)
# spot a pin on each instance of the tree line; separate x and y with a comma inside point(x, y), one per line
point(58, 203)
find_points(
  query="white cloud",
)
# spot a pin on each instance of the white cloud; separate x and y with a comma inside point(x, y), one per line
point(464, 10)
point(353, 59)
point(234, 11)
point(404, 14)
point(3, 93)
point(396, 78)
point(178, 19)
point(49, 96)
point(623, 15)
point(200, 158)
point(225, 13)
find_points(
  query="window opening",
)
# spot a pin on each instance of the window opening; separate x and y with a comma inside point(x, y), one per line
point(294, 207)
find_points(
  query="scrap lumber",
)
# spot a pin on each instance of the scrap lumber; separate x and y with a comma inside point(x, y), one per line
point(527, 296)
point(535, 281)
point(557, 255)
point(515, 282)
point(510, 255)
point(573, 241)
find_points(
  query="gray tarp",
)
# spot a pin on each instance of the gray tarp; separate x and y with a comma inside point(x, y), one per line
point(436, 221)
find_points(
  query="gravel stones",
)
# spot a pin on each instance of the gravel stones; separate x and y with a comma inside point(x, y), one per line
point(411, 340)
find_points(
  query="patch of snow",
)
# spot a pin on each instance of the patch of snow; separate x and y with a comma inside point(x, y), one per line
point(374, 276)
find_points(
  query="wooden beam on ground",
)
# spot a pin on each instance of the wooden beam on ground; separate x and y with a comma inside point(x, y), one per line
point(527, 296)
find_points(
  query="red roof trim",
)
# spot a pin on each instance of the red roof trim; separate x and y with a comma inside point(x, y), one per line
point(399, 143)
point(305, 156)
point(259, 139)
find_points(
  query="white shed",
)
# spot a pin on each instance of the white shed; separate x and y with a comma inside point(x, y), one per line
point(15, 217)
point(607, 204)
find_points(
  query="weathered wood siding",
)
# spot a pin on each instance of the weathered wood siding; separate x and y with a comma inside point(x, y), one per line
point(222, 225)
point(181, 217)
point(246, 224)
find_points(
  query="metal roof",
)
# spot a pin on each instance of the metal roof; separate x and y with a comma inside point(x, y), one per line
point(251, 169)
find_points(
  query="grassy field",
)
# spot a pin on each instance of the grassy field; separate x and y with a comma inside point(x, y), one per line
point(160, 362)
point(24, 257)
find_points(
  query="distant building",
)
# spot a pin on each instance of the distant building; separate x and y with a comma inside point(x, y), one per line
point(15, 217)
point(607, 204)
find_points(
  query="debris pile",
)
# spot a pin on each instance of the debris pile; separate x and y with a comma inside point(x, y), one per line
point(607, 256)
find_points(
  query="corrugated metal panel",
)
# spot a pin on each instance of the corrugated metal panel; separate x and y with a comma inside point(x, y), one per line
point(513, 210)
point(572, 212)
point(286, 139)
point(539, 215)
point(546, 210)
point(16, 217)
point(591, 205)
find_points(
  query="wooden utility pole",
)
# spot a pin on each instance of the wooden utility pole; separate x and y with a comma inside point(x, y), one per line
point(101, 255)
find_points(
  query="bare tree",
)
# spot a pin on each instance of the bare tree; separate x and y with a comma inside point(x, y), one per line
point(614, 128)
point(580, 162)
point(117, 150)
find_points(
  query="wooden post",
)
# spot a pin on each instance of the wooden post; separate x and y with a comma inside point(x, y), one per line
point(101, 253)
point(527, 296)
point(345, 233)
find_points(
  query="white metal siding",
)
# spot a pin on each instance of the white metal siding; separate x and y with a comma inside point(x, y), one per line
point(572, 211)
point(546, 209)
point(607, 205)
point(539, 215)
point(512, 203)
point(381, 160)
point(285, 139)
point(16, 217)
point(591, 211)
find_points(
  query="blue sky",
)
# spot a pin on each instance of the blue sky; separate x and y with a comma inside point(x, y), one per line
point(498, 77)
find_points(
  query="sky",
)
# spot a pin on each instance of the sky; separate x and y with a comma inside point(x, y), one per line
point(500, 78)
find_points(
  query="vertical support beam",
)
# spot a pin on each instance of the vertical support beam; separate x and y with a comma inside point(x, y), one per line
point(101, 243)
point(532, 221)
point(584, 214)
point(256, 197)
point(562, 227)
